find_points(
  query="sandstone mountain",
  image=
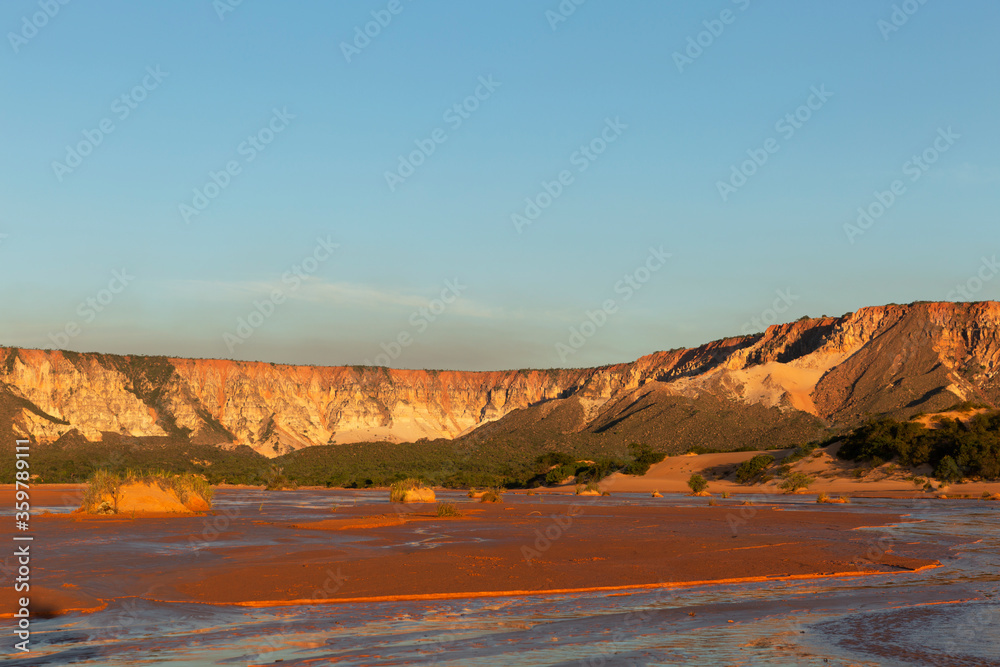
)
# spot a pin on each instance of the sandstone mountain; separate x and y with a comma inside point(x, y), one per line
point(793, 382)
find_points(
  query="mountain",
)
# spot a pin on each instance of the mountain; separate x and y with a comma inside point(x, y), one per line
point(788, 384)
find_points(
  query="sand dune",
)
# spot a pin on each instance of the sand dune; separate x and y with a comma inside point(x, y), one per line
point(831, 475)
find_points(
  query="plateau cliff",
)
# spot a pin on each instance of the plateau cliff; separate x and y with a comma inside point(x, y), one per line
point(791, 381)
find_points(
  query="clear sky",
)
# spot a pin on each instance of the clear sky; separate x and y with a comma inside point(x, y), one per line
point(503, 166)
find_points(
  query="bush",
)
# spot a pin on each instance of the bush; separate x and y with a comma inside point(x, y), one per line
point(697, 483)
point(276, 480)
point(947, 470)
point(599, 470)
point(557, 475)
point(545, 461)
point(643, 457)
point(752, 470)
point(101, 483)
point(967, 406)
point(701, 449)
point(492, 496)
point(795, 482)
point(973, 446)
point(801, 452)
point(447, 509)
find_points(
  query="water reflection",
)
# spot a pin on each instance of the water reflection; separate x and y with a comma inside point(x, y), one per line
point(944, 616)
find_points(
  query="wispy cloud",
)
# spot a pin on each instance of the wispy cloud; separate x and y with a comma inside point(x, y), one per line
point(344, 294)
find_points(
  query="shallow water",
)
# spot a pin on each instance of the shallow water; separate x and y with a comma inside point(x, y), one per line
point(944, 616)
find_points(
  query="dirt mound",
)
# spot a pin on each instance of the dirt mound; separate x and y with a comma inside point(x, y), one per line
point(418, 495)
point(146, 498)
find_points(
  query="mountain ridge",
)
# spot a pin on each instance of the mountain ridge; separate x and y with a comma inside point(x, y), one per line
point(808, 375)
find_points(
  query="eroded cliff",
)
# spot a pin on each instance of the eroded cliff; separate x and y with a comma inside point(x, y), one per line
point(841, 370)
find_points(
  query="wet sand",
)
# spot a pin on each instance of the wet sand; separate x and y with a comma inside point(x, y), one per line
point(385, 552)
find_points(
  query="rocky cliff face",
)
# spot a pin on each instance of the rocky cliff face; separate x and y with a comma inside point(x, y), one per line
point(878, 360)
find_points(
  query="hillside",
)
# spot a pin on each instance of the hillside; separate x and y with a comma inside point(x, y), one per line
point(791, 383)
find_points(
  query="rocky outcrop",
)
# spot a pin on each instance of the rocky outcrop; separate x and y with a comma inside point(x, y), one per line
point(840, 370)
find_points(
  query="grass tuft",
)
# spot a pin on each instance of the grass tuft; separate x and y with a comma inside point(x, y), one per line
point(397, 492)
point(447, 509)
point(492, 496)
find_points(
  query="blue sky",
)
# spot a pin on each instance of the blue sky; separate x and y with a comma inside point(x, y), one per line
point(270, 81)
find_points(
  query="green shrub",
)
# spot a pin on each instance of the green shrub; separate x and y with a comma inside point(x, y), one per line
point(700, 449)
point(795, 482)
point(447, 509)
point(557, 475)
point(102, 483)
point(801, 452)
point(643, 458)
point(697, 483)
point(545, 461)
point(947, 470)
point(973, 446)
point(188, 484)
point(599, 470)
point(752, 470)
point(968, 406)
point(492, 496)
